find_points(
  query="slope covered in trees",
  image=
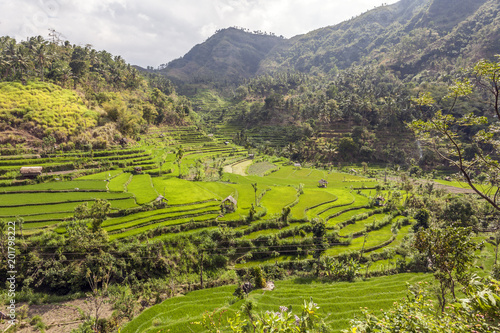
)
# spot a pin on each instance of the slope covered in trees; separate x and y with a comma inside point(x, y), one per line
point(58, 92)
point(339, 81)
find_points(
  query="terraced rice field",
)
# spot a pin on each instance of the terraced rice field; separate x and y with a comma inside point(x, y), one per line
point(156, 204)
point(197, 203)
point(338, 302)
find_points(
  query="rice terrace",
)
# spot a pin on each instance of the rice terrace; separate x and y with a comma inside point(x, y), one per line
point(343, 180)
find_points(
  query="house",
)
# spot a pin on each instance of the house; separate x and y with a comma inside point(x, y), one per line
point(137, 170)
point(229, 205)
point(31, 172)
point(251, 156)
point(323, 183)
point(379, 201)
point(297, 165)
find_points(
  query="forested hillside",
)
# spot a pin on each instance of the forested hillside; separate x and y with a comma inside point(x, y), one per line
point(345, 89)
point(54, 92)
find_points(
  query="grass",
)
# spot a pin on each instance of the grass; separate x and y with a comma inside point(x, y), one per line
point(310, 198)
point(338, 302)
point(180, 191)
point(58, 186)
point(118, 183)
point(25, 199)
point(46, 106)
point(277, 197)
point(105, 175)
point(141, 187)
point(359, 226)
point(260, 168)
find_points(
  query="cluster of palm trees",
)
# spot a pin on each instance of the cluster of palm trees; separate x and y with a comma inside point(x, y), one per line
point(61, 63)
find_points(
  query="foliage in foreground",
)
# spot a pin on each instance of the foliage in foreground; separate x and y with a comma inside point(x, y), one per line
point(478, 312)
point(283, 321)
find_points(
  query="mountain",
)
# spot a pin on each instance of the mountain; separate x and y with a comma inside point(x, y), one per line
point(231, 54)
point(409, 36)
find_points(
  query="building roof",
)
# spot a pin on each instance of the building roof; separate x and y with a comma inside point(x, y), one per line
point(323, 181)
point(231, 199)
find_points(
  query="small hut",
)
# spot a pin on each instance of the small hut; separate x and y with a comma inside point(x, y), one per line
point(160, 201)
point(251, 156)
point(297, 165)
point(229, 204)
point(379, 201)
point(138, 170)
point(323, 183)
point(31, 172)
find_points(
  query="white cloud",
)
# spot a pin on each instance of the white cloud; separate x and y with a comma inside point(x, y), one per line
point(152, 32)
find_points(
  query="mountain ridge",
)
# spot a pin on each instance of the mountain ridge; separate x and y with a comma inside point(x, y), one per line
point(408, 36)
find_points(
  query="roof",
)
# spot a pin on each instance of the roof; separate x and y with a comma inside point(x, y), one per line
point(231, 199)
point(160, 198)
point(31, 170)
point(323, 181)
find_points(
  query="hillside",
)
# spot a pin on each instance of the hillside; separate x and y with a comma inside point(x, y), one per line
point(54, 92)
point(410, 36)
point(358, 75)
point(229, 55)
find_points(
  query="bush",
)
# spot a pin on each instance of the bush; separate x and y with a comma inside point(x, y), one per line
point(258, 275)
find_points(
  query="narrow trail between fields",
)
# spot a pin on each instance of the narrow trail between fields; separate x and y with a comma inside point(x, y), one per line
point(238, 168)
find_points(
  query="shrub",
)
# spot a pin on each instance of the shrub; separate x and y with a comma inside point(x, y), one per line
point(258, 275)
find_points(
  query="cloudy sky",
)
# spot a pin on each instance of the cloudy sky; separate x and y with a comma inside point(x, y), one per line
point(153, 32)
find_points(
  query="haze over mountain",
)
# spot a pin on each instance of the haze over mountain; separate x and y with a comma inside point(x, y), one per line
point(408, 37)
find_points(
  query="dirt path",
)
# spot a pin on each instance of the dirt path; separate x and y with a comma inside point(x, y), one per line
point(448, 188)
point(238, 168)
point(59, 318)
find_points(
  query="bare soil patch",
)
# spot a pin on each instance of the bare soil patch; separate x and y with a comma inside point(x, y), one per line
point(59, 318)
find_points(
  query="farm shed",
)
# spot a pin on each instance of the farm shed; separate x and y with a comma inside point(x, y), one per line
point(138, 170)
point(229, 204)
point(31, 171)
point(323, 183)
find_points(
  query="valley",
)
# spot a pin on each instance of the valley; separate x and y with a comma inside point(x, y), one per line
point(342, 180)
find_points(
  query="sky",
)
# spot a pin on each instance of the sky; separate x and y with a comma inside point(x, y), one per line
point(154, 32)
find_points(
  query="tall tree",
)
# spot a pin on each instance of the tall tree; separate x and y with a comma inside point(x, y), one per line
point(442, 131)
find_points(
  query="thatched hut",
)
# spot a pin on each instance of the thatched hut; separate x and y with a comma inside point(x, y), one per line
point(31, 172)
point(229, 204)
point(323, 183)
point(137, 170)
point(160, 201)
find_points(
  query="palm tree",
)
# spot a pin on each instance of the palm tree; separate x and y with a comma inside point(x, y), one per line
point(254, 185)
point(179, 154)
point(41, 57)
